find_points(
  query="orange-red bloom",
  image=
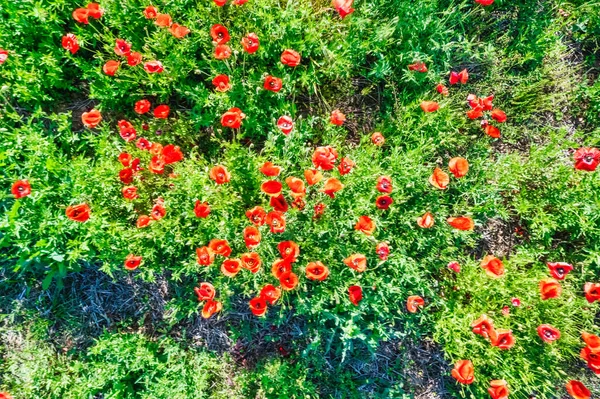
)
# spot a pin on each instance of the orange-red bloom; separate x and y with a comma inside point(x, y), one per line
point(365, 224)
point(384, 184)
point(270, 294)
point(550, 288)
point(272, 83)
point(355, 294)
point(171, 154)
point(313, 176)
point(383, 202)
point(271, 187)
point(205, 292)
point(220, 247)
point(205, 256)
point(498, 115)
point(279, 203)
point(231, 267)
point(296, 186)
point(201, 209)
point(331, 186)
point(163, 20)
point(587, 159)
point(337, 117)
point(548, 333)
point(316, 271)
point(377, 139)
point(81, 15)
point(324, 157)
point(426, 221)
point(458, 166)
point(492, 131)
point(179, 31)
point(439, 179)
point(461, 223)
point(577, 390)
point(232, 118)
point(210, 308)
point(463, 372)
point(276, 221)
point(252, 237)
point(285, 124)
point(222, 52)
point(157, 165)
point(162, 111)
point(382, 250)
point(132, 262)
point(142, 106)
point(150, 12)
point(483, 326)
point(289, 251)
point(111, 67)
point(258, 306)
point(69, 42)
point(498, 389)
point(592, 292)
point(501, 338)
point(129, 193)
point(414, 302)
point(343, 7)
point(485, 3)
point(288, 281)
point(158, 211)
point(219, 174)
point(345, 166)
point(290, 58)
point(257, 215)
point(221, 83)
point(153, 67)
point(91, 119)
point(219, 34)
point(493, 266)
point(429, 106)
point(418, 67)
point(443, 90)
point(270, 169)
point(250, 43)
point(357, 262)
point(279, 267)
point(251, 261)
point(20, 189)
point(94, 10)
point(78, 213)
point(456, 77)
point(122, 47)
point(143, 221)
point(559, 270)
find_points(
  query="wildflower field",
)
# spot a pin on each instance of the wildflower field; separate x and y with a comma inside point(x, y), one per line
point(299, 199)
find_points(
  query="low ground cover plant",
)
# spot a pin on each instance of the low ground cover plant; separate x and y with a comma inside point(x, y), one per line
point(316, 182)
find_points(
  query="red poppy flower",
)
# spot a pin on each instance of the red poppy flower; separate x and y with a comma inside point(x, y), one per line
point(272, 83)
point(289, 251)
point(132, 262)
point(592, 357)
point(91, 119)
point(463, 372)
point(219, 174)
point(162, 111)
point(130, 192)
point(219, 34)
point(492, 131)
point(290, 58)
point(288, 281)
point(382, 250)
point(258, 306)
point(257, 215)
point(143, 221)
point(111, 67)
point(201, 209)
point(429, 106)
point(316, 271)
point(493, 266)
point(343, 7)
point(559, 270)
point(20, 189)
point(163, 20)
point(232, 118)
point(345, 166)
point(502, 339)
point(78, 213)
point(157, 165)
point(498, 115)
point(357, 262)
point(483, 326)
point(443, 90)
point(384, 184)
point(153, 67)
point(155, 149)
point(143, 144)
point(577, 390)
point(280, 266)
point(220, 247)
point(69, 42)
point(413, 303)
point(231, 267)
point(126, 130)
point(366, 225)
point(298, 203)
point(548, 333)
point(456, 77)
point(125, 159)
point(587, 159)
point(150, 12)
point(550, 288)
point(475, 113)
point(454, 266)
point(205, 292)
point(458, 167)
point(324, 157)
point(3, 56)
point(222, 52)
point(210, 308)
point(383, 202)
point(592, 292)
point(296, 186)
point(271, 187)
point(270, 169)
point(158, 211)
point(485, 3)
point(418, 67)
point(221, 83)
point(250, 43)
point(426, 221)
point(220, 3)
point(270, 294)
point(312, 176)
point(94, 10)
point(355, 294)
point(179, 31)
point(337, 117)
point(251, 261)
point(81, 15)
point(461, 223)
point(239, 2)
point(279, 203)
point(285, 124)
point(126, 175)
point(439, 179)
point(331, 186)
point(142, 106)
point(171, 153)
point(204, 256)
point(276, 221)
point(122, 48)
point(251, 237)
point(377, 139)
point(498, 389)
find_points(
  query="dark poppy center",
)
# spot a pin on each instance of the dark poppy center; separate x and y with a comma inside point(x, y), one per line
point(20, 189)
point(548, 334)
point(560, 271)
point(317, 271)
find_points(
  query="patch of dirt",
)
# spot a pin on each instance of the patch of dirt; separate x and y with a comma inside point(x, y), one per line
point(498, 238)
